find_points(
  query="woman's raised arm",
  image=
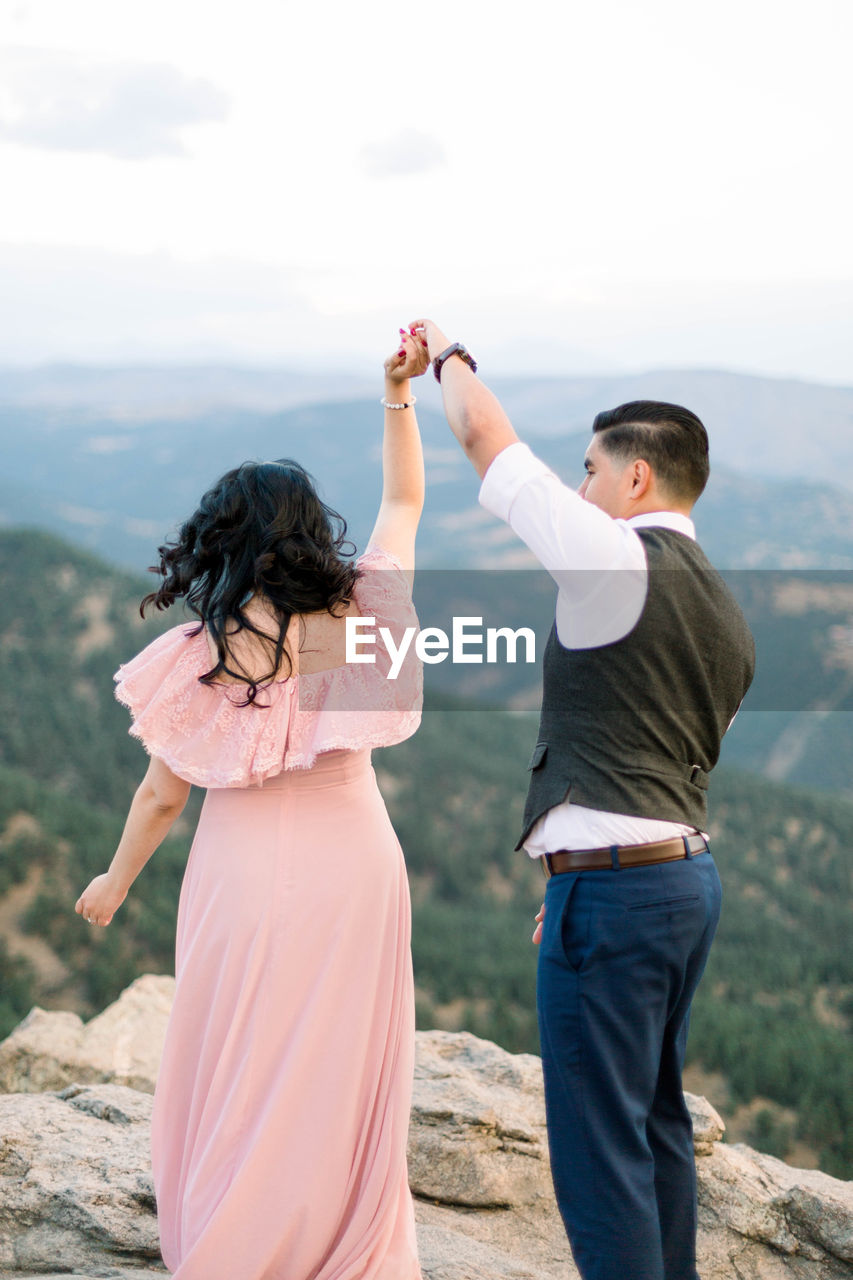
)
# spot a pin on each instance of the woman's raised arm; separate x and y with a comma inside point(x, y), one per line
point(402, 455)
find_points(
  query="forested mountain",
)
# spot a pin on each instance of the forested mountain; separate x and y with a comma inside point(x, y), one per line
point(775, 1012)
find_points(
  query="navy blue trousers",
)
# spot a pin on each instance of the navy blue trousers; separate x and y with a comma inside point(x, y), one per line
point(621, 956)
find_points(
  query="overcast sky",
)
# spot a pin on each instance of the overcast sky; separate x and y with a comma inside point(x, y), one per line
point(565, 187)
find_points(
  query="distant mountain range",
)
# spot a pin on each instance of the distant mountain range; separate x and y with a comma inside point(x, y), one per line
point(783, 428)
point(773, 428)
point(139, 392)
point(118, 485)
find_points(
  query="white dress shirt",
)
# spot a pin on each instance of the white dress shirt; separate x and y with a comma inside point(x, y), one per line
point(599, 565)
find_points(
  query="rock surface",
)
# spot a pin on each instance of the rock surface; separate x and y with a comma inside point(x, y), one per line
point(75, 1179)
point(96, 1273)
point(75, 1184)
point(122, 1045)
point(477, 1141)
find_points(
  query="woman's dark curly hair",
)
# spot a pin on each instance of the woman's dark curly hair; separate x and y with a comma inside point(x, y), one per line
point(261, 528)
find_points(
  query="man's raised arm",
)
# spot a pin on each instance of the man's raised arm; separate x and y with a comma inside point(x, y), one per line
point(474, 413)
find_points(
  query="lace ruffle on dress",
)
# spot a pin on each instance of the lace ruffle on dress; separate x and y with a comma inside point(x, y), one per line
point(205, 736)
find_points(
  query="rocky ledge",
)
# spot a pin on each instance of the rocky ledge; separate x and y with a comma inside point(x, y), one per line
point(76, 1197)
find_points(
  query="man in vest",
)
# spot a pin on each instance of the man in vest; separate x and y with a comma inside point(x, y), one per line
point(646, 665)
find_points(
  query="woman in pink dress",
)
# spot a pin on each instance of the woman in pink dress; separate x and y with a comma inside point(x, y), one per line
point(282, 1106)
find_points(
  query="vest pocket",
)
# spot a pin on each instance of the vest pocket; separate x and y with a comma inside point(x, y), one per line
point(539, 753)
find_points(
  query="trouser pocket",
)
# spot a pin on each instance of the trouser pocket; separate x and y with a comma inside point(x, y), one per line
point(571, 925)
point(664, 904)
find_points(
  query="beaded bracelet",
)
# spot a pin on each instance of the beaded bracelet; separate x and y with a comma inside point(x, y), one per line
point(407, 404)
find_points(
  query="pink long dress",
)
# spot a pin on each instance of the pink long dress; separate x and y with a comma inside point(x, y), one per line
point(282, 1105)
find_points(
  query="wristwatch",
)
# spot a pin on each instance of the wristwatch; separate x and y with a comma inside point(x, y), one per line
point(455, 349)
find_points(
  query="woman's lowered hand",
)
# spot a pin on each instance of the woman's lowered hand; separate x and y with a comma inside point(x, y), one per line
point(100, 900)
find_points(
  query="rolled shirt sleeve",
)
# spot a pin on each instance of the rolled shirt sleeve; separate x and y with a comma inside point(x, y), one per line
point(598, 563)
point(508, 473)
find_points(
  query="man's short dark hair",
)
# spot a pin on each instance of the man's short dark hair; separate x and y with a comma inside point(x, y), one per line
point(668, 437)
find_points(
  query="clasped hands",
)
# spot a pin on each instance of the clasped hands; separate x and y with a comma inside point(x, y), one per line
point(419, 345)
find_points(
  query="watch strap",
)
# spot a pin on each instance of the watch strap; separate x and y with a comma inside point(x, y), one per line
point(455, 349)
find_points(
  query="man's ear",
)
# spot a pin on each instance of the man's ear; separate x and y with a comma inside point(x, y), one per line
point(642, 478)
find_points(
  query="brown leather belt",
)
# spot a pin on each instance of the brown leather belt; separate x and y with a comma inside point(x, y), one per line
point(621, 855)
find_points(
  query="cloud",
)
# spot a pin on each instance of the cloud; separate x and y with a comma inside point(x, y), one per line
point(76, 304)
point(405, 153)
point(133, 110)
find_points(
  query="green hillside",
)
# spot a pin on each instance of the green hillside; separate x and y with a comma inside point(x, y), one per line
point(774, 1014)
point(51, 844)
point(66, 622)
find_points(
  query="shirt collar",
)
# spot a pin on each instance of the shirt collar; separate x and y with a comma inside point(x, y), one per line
point(674, 520)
